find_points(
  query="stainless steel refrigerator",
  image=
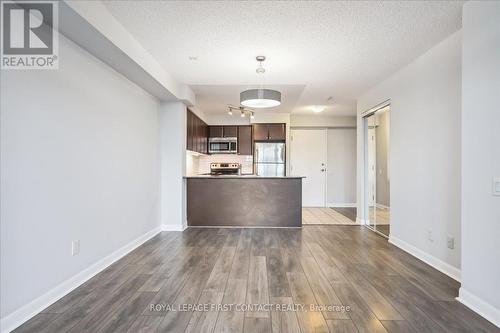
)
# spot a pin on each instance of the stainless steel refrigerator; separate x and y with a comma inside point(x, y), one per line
point(269, 159)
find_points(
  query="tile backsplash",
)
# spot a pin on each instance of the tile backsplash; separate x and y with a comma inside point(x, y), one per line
point(201, 164)
point(192, 164)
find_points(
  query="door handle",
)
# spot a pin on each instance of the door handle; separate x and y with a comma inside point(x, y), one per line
point(323, 170)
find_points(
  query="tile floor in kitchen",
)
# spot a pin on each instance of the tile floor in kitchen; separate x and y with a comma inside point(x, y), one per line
point(323, 215)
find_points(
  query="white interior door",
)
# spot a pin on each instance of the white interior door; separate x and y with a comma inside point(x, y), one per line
point(341, 161)
point(308, 158)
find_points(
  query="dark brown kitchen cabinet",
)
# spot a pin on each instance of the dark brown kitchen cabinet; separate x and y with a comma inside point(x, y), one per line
point(229, 131)
point(204, 142)
point(220, 131)
point(260, 132)
point(189, 131)
point(196, 134)
point(276, 131)
point(245, 140)
point(215, 131)
point(269, 132)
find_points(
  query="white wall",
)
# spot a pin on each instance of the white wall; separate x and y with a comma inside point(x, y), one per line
point(225, 119)
point(318, 120)
point(173, 165)
point(79, 160)
point(341, 162)
point(424, 152)
point(480, 288)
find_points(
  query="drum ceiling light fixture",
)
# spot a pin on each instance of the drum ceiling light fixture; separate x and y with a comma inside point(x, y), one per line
point(260, 98)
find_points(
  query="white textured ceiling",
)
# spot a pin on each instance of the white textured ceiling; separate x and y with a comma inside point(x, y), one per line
point(314, 49)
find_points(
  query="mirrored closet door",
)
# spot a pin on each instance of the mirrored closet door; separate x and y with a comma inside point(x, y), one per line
point(377, 180)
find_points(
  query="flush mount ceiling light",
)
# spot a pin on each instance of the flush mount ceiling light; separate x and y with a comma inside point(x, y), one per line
point(260, 98)
point(317, 109)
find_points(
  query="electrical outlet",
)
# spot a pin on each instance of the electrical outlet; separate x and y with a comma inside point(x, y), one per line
point(451, 242)
point(75, 247)
point(430, 238)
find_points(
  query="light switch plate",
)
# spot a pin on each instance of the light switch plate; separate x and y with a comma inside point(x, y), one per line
point(496, 186)
point(75, 247)
point(451, 242)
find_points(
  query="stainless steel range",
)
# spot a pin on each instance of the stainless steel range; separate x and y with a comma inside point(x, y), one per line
point(218, 169)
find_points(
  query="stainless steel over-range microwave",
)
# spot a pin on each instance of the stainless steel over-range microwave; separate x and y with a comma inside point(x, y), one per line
point(222, 145)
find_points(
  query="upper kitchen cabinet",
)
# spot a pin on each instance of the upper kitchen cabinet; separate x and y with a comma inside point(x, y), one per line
point(203, 138)
point(269, 132)
point(189, 130)
point(260, 132)
point(215, 131)
point(223, 131)
point(196, 134)
point(245, 140)
point(229, 131)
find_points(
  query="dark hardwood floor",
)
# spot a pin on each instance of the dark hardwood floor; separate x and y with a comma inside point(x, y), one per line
point(385, 289)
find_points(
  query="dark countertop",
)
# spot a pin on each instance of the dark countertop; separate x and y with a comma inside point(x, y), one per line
point(242, 177)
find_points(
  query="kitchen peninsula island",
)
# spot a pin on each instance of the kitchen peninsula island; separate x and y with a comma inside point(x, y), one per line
point(244, 201)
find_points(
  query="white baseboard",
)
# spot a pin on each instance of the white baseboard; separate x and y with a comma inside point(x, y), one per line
point(173, 227)
point(23, 314)
point(476, 304)
point(342, 205)
point(438, 264)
